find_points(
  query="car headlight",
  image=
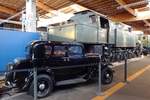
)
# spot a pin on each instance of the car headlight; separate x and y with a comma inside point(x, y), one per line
point(11, 67)
point(16, 61)
point(105, 48)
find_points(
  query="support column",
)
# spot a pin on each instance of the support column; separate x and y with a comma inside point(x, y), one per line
point(99, 92)
point(31, 24)
point(99, 78)
point(125, 68)
point(23, 19)
point(35, 83)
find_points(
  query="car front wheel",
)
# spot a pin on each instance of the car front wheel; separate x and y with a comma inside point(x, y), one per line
point(44, 86)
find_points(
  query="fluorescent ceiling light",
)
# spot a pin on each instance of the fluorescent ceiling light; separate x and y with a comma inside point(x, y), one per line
point(143, 14)
point(59, 16)
point(75, 7)
point(148, 1)
point(138, 32)
point(53, 20)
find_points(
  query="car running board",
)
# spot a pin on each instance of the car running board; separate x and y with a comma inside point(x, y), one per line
point(71, 81)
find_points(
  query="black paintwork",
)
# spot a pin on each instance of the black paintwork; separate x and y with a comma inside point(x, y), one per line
point(60, 68)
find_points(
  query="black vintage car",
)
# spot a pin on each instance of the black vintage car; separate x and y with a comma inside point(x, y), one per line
point(56, 62)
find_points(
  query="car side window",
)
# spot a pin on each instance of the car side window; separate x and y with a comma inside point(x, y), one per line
point(75, 51)
point(59, 51)
point(48, 50)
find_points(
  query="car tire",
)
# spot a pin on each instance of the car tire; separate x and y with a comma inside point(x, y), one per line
point(44, 86)
point(107, 76)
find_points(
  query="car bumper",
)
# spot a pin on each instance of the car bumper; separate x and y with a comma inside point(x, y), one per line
point(10, 79)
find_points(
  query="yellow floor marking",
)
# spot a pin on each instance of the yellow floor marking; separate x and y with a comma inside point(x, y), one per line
point(114, 89)
point(137, 74)
point(120, 85)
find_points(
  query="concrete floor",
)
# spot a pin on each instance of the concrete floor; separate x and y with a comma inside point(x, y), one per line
point(137, 89)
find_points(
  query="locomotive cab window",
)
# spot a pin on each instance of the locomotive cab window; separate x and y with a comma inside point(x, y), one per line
point(104, 23)
point(92, 18)
point(130, 29)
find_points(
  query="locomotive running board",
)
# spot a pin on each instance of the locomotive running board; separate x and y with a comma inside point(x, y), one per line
point(71, 81)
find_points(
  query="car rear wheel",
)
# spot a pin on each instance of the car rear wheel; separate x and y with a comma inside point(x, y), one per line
point(107, 76)
point(44, 86)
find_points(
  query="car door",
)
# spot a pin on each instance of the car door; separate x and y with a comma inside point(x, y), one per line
point(76, 60)
point(55, 55)
point(59, 62)
point(59, 56)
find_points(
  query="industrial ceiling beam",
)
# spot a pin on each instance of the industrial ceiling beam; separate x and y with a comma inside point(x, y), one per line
point(7, 10)
point(11, 17)
point(147, 32)
point(130, 10)
point(10, 21)
point(15, 14)
point(140, 28)
point(125, 17)
point(146, 22)
point(38, 3)
point(133, 4)
point(47, 8)
point(143, 9)
point(44, 7)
